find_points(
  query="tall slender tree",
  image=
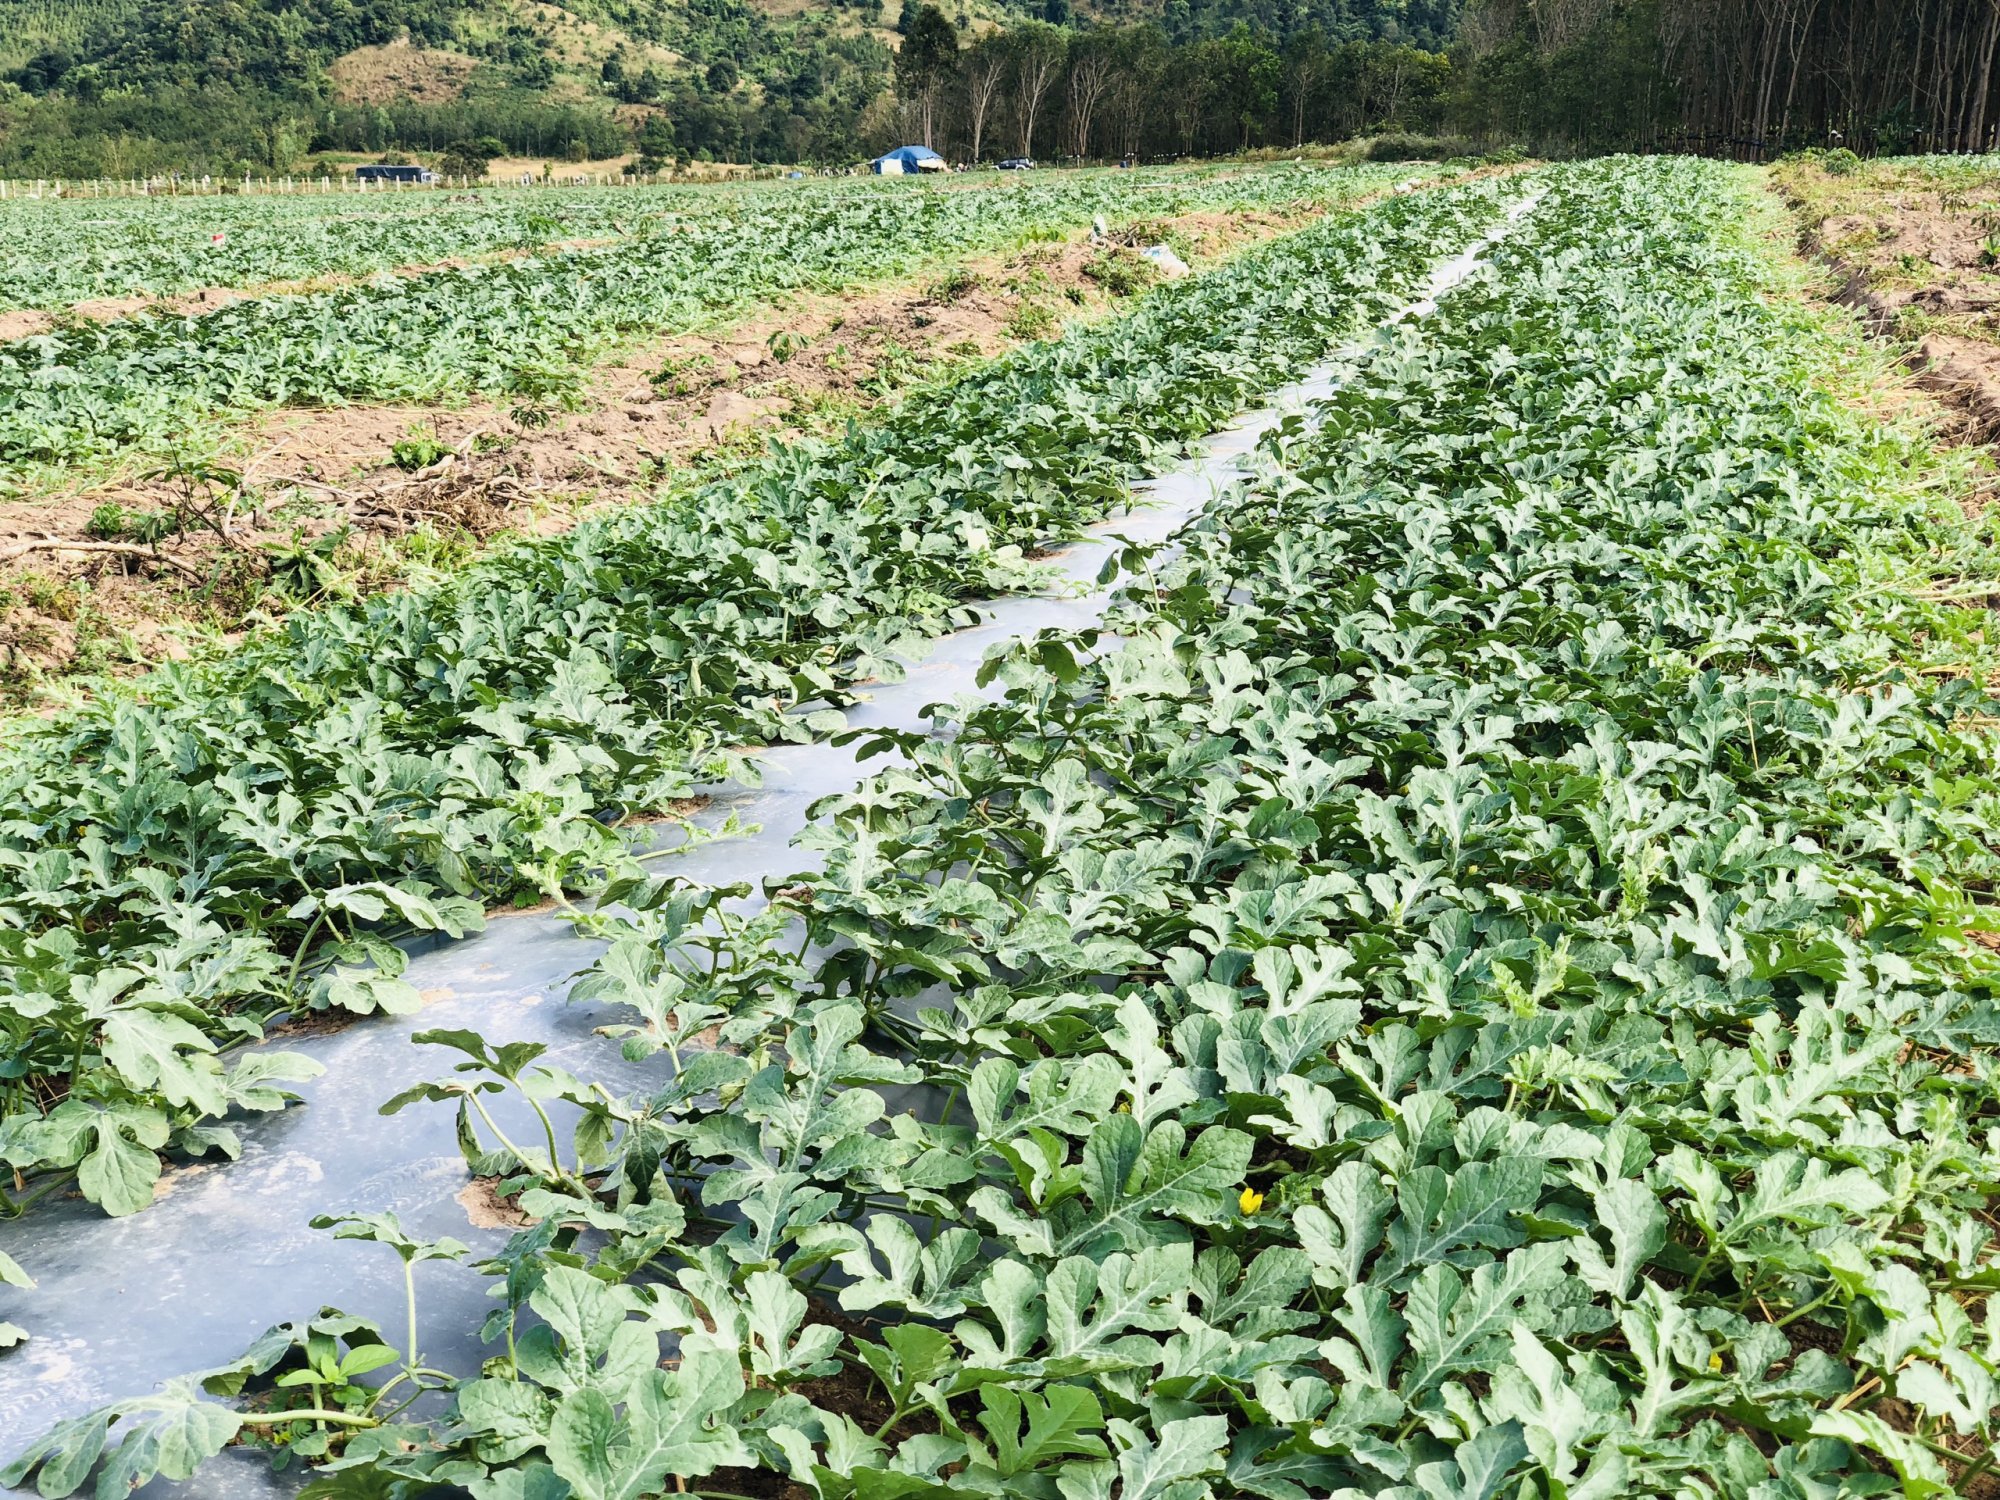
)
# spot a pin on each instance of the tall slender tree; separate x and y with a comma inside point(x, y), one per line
point(1089, 78)
point(1040, 51)
point(985, 70)
point(1304, 68)
point(1750, 77)
point(1133, 103)
point(926, 63)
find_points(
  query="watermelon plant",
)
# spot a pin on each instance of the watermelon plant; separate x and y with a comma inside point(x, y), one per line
point(187, 858)
point(1469, 987)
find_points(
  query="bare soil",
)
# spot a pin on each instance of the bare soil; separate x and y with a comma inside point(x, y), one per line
point(485, 1208)
point(669, 410)
point(399, 71)
point(1919, 255)
point(1916, 252)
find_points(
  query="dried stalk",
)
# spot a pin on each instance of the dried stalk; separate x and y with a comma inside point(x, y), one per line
point(127, 549)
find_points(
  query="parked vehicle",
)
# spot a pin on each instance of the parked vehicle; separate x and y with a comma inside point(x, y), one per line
point(381, 173)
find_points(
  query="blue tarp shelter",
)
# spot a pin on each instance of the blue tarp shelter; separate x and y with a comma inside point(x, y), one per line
point(907, 161)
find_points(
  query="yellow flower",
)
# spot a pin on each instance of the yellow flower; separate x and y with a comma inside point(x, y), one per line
point(1715, 1363)
point(1251, 1201)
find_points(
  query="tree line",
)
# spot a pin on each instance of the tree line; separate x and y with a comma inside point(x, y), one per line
point(1751, 78)
point(1748, 78)
point(1106, 92)
point(225, 86)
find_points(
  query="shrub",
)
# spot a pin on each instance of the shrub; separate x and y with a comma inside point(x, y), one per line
point(107, 523)
point(414, 453)
point(470, 158)
point(1398, 145)
point(1142, 232)
point(952, 285)
point(1033, 321)
point(1121, 272)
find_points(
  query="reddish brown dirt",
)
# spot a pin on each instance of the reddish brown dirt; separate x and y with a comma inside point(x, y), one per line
point(1916, 252)
point(25, 322)
point(685, 394)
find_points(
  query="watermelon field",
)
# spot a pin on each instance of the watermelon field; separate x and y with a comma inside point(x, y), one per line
point(586, 270)
point(1367, 876)
point(60, 252)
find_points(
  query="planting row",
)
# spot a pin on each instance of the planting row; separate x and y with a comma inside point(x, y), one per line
point(529, 327)
point(1469, 992)
point(239, 837)
point(57, 252)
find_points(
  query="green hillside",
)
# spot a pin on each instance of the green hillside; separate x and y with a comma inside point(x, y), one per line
point(29, 26)
point(139, 41)
point(115, 87)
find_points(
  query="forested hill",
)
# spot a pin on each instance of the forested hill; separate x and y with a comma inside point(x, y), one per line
point(113, 87)
point(275, 42)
